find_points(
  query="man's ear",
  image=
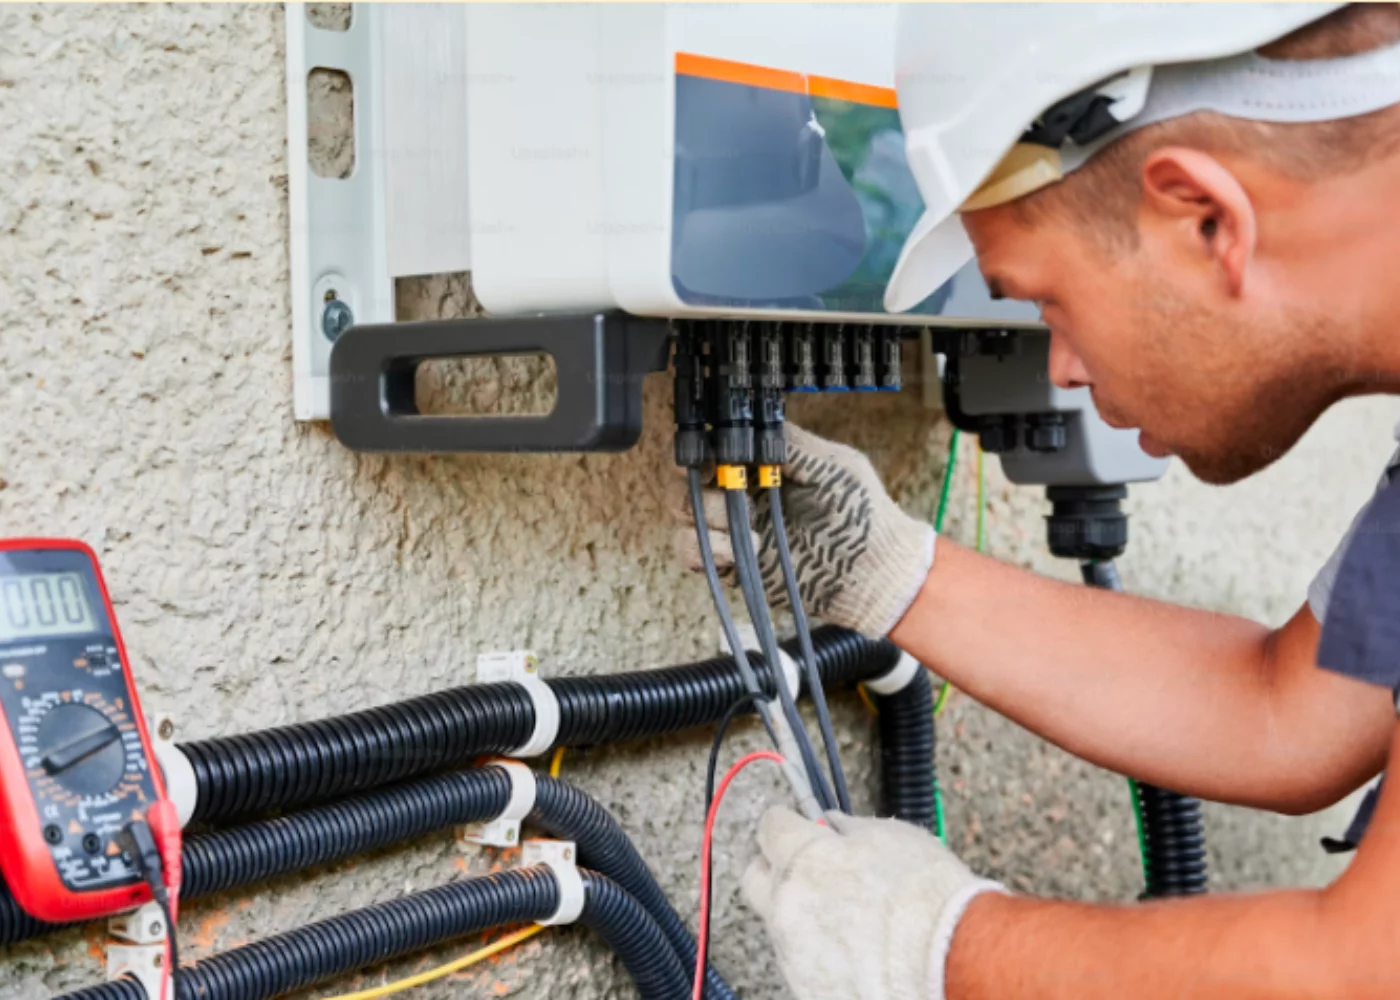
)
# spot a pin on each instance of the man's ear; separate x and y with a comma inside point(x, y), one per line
point(1194, 189)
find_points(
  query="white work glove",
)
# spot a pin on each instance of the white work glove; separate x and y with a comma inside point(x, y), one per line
point(862, 909)
point(860, 560)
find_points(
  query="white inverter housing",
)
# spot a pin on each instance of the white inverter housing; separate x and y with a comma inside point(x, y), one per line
point(694, 160)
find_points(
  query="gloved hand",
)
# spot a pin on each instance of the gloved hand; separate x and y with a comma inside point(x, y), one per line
point(862, 909)
point(860, 560)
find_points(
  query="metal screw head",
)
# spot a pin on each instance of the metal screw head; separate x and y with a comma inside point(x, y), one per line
point(510, 835)
point(568, 854)
point(156, 927)
point(336, 318)
point(157, 960)
point(166, 730)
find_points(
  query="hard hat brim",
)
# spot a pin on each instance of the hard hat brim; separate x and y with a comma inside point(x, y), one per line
point(936, 249)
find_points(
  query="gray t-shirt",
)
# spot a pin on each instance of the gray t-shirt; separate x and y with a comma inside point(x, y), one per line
point(1361, 638)
point(1320, 590)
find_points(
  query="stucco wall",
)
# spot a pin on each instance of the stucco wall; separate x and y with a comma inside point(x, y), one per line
point(264, 575)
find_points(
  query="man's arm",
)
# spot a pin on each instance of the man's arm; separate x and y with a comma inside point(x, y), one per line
point(1203, 703)
point(1342, 942)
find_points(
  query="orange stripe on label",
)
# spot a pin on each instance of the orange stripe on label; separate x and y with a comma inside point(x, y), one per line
point(728, 71)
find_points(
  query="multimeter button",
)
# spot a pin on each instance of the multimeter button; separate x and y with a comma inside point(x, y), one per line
point(81, 748)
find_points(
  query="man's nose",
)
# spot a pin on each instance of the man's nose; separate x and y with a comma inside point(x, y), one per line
point(1066, 370)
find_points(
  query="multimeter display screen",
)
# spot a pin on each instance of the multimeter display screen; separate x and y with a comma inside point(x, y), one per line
point(38, 605)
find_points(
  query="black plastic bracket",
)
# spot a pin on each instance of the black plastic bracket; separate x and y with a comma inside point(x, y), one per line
point(601, 361)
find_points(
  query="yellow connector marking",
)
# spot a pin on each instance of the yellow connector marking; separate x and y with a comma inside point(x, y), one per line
point(732, 477)
point(770, 475)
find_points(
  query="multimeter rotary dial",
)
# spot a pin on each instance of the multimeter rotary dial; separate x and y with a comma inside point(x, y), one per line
point(80, 750)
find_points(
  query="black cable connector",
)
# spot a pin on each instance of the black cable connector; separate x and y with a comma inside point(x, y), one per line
point(692, 443)
point(769, 412)
point(833, 358)
point(802, 358)
point(731, 392)
point(864, 377)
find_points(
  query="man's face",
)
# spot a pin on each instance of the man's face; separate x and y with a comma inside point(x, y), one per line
point(1224, 380)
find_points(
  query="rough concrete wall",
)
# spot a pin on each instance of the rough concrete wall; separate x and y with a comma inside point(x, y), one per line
point(265, 575)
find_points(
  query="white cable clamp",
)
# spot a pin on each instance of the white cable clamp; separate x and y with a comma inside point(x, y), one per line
point(180, 785)
point(504, 830)
point(749, 637)
point(897, 679)
point(560, 857)
point(141, 953)
point(521, 666)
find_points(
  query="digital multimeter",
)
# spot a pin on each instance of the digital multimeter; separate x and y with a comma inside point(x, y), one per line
point(76, 763)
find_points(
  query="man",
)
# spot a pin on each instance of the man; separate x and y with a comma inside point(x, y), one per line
point(1214, 250)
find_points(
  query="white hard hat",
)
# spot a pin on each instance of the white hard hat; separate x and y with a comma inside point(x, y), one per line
point(992, 96)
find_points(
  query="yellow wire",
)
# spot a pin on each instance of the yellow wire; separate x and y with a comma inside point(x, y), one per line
point(556, 762)
point(480, 955)
point(942, 699)
point(865, 697)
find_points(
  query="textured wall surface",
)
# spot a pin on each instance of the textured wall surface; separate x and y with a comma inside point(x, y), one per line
point(265, 575)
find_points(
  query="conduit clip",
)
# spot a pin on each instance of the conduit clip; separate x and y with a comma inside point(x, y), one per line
point(898, 678)
point(749, 637)
point(180, 785)
point(560, 857)
point(141, 956)
point(504, 830)
point(521, 666)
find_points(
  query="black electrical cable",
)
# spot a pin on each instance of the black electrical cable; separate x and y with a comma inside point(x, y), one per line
point(726, 618)
point(712, 766)
point(750, 582)
point(363, 938)
point(711, 771)
point(804, 641)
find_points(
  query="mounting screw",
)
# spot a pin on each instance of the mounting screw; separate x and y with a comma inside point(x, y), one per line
point(91, 843)
point(156, 928)
point(336, 317)
point(53, 834)
point(166, 730)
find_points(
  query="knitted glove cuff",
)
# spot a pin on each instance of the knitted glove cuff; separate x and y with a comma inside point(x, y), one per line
point(889, 577)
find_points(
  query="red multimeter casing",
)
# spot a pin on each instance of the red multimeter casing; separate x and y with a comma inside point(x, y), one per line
point(76, 763)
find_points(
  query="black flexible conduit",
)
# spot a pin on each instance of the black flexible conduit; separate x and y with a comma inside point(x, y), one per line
point(593, 710)
point(241, 855)
point(572, 815)
point(292, 765)
point(599, 710)
point(367, 937)
point(1174, 840)
point(906, 752)
point(1176, 844)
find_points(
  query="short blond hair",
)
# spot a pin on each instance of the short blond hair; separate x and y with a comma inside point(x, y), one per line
point(1108, 189)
